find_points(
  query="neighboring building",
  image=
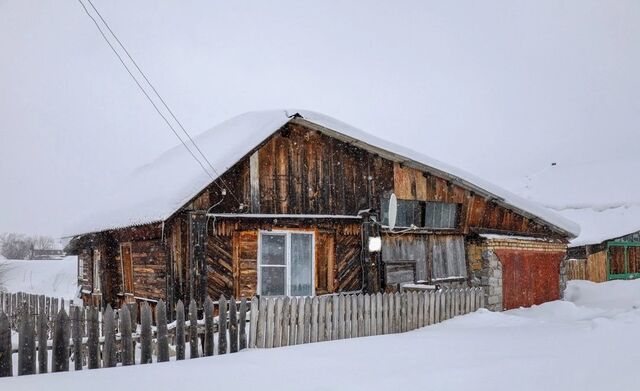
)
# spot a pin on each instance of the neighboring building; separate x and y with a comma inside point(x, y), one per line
point(597, 193)
point(290, 210)
point(46, 254)
point(609, 249)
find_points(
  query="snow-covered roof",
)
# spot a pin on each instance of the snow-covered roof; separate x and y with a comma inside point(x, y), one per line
point(601, 224)
point(598, 194)
point(157, 190)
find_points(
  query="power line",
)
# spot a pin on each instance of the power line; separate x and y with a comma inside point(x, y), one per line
point(143, 90)
point(159, 97)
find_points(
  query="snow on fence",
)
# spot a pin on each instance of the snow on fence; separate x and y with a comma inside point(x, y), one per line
point(90, 339)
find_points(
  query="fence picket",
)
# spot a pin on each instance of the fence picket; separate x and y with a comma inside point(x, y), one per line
point(322, 304)
point(314, 319)
point(145, 334)
point(193, 329)
point(109, 350)
point(93, 336)
point(307, 319)
point(335, 318)
point(262, 323)
point(242, 323)
point(60, 354)
point(125, 336)
point(367, 315)
point(43, 352)
point(347, 316)
point(233, 325)
point(286, 321)
point(26, 343)
point(253, 326)
point(6, 365)
point(300, 335)
point(378, 313)
point(180, 348)
point(354, 316)
point(270, 323)
point(162, 338)
point(222, 325)
point(342, 324)
point(209, 345)
point(277, 324)
point(293, 319)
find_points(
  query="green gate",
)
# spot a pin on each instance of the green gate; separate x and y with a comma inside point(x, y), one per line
point(623, 260)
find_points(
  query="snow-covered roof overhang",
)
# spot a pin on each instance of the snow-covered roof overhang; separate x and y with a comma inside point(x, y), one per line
point(159, 189)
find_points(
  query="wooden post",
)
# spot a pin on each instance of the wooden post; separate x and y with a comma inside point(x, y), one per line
point(60, 354)
point(43, 352)
point(208, 327)
point(180, 330)
point(93, 344)
point(193, 329)
point(253, 327)
point(145, 334)
point(6, 365)
point(26, 344)
point(222, 325)
point(125, 336)
point(76, 336)
point(242, 324)
point(233, 326)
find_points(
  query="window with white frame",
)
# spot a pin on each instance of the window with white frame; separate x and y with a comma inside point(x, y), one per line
point(286, 263)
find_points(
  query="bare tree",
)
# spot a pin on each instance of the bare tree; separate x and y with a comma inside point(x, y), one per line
point(16, 246)
point(41, 242)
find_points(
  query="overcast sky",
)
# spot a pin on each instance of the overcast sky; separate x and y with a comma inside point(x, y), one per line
point(499, 88)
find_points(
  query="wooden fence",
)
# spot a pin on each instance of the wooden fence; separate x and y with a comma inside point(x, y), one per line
point(594, 268)
point(290, 321)
point(90, 339)
point(13, 303)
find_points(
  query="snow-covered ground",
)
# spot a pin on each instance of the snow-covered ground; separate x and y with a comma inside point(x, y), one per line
point(55, 278)
point(584, 343)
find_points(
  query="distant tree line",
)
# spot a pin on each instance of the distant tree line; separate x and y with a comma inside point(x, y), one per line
point(19, 246)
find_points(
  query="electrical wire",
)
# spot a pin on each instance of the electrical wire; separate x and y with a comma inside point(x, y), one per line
point(166, 106)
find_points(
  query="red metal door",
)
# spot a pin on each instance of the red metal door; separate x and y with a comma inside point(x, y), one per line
point(529, 277)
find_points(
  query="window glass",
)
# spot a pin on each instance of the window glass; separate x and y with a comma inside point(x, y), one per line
point(273, 249)
point(286, 264)
point(301, 263)
point(273, 281)
point(441, 215)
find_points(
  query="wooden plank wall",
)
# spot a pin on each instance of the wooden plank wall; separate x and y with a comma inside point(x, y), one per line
point(232, 254)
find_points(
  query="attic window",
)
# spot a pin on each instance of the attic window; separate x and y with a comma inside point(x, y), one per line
point(441, 215)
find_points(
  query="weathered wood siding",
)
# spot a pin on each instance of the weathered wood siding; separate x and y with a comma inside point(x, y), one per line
point(232, 254)
point(149, 269)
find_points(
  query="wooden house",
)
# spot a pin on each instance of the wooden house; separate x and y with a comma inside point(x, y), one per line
point(295, 203)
